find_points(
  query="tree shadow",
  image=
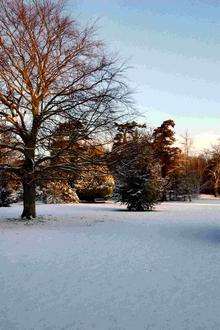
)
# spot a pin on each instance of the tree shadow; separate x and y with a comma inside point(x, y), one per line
point(134, 212)
point(205, 233)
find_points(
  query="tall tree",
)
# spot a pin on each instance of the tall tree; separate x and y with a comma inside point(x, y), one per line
point(52, 71)
point(163, 140)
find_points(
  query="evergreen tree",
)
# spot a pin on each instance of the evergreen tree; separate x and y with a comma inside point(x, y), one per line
point(163, 140)
point(136, 171)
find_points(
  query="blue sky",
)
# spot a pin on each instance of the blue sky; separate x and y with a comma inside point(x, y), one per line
point(173, 48)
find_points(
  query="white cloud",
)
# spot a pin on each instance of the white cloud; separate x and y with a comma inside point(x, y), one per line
point(200, 141)
point(205, 140)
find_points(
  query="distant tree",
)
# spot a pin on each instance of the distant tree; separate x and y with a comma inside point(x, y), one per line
point(213, 168)
point(186, 177)
point(187, 144)
point(163, 140)
point(129, 131)
point(198, 166)
point(182, 186)
point(52, 71)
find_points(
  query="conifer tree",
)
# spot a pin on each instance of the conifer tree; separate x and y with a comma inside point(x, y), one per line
point(137, 172)
point(163, 140)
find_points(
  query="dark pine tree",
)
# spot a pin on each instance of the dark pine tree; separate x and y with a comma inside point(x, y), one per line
point(136, 171)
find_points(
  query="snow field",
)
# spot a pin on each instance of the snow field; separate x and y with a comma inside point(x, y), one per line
point(96, 266)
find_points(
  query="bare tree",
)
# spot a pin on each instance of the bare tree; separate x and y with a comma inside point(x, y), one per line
point(187, 144)
point(52, 71)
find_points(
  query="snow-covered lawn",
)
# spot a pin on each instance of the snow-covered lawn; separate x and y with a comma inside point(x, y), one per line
point(100, 267)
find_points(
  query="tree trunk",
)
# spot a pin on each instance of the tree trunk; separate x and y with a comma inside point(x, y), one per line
point(29, 196)
point(28, 181)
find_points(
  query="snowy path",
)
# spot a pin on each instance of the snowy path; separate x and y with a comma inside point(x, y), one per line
point(100, 267)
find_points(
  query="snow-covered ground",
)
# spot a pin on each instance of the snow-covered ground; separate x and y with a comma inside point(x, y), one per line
point(100, 267)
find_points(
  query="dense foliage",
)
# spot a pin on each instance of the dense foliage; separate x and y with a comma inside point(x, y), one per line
point(136, 170)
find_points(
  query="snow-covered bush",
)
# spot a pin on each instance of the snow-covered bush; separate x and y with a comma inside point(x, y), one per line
point(95, 182)
point(59, 192)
